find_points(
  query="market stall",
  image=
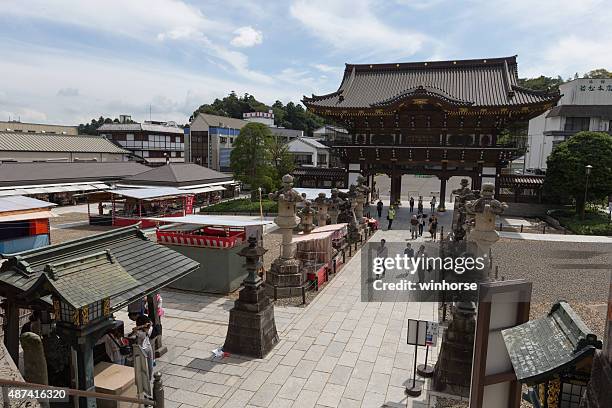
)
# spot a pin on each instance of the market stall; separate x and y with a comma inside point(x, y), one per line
point(214, 242)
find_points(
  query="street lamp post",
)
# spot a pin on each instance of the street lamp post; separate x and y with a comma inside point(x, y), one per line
point(587, 169)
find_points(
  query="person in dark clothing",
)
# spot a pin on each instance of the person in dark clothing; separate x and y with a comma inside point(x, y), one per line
point(420, 207)
point(433, 228)
point(411, 204)
point(379, 208)
point(422, 224)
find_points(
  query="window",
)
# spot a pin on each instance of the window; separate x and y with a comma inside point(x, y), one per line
point(576, 124)
point(129, 136)
point(571, 394)
point(321, 159)
point(303, 159)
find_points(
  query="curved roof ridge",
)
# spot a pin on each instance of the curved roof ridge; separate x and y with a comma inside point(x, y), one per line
point(424, 90)
point(458, 63)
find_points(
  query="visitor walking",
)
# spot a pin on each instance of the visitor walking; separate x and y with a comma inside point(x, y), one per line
point(379, 208)
point(411, 204)
point(420, 206)
point(409, 252)
point(422, 265)
point(433, 204)
point(142, 333)
point(390, 216)
point(433, 227)
point(422, 224)
point(414, 226)
point(381, 252)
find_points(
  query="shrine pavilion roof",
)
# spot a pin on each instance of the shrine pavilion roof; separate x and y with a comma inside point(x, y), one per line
point(546, 346)
point(461, 83)
point(151, 265)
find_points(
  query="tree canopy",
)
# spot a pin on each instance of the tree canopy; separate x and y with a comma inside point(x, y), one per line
point(600, 73)
point(291, 116)
point(566, 168)
point(251, 158)
point(90, 128)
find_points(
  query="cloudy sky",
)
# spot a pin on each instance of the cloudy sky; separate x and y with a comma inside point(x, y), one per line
point(66, 61)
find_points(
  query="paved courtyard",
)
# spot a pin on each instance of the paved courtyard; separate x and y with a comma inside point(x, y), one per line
point(336, 352)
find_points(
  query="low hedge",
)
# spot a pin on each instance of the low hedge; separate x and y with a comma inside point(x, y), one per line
point(594, 223)
point(242, 205)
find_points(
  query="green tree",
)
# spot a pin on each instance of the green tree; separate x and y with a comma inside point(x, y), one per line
point(566, 175)
point(251, 160)
point(92, 127)
point(541, 83)
point(282, 159)
point(600, 73)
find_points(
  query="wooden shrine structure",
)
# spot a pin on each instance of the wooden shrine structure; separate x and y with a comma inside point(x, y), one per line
point(439, 118)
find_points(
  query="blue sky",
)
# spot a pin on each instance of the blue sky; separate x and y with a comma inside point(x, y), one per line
point(66, 61)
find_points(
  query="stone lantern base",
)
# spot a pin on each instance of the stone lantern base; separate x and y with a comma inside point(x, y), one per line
point(285, 273)
point(252, 330)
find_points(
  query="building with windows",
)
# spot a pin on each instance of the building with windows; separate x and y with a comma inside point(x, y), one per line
point(309, 152)
point(211, 138)
point(156, 142)
point(331, 134)
point(24, 127)
point(586, 104)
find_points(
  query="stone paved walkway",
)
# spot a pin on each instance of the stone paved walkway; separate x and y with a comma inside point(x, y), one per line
point(336, 352)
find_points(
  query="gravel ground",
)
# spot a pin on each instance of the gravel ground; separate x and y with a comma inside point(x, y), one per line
point(578, 273)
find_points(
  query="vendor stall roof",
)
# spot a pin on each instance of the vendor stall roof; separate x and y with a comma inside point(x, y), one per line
point(21, 203)
point(211, 220)
point(203, 189)
point(319, 233)
point(36, 215)
point(152, 265)
point(150, 193)
point(178, 175)
point(52, 188)
point(312, 193)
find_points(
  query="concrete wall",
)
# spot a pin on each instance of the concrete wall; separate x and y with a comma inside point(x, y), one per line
point(221, 270)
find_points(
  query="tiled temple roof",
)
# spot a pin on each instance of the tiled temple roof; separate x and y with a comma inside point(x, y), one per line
point(475, 83)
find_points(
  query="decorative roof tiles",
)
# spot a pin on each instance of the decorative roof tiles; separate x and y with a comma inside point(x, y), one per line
point(476, 83)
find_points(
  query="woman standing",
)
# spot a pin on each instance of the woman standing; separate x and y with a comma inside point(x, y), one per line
point(390, 216)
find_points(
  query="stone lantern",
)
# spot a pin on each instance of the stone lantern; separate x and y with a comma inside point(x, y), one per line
point(322, 205)
point(361, 197)
point(335, 204)
point(285, 270)
point(484, 210)
point(307, 215)
point(252, 329)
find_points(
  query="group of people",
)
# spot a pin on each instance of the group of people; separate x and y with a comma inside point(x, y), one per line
point(418, 221)
point(432, 204)
point(383, 252)
point(417, 225)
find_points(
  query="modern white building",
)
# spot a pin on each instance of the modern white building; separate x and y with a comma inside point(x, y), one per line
point(586, 104)
point(309, 152)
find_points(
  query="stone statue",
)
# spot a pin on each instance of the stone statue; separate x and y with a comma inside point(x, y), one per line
point(285, 270)
point(361, 197)
point(322, 205)
point(307, 215)
point(484, 210)
point(348, 213)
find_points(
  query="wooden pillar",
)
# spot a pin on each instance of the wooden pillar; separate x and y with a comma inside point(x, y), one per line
point(497, 180)
point(442, 205)
point(477, 178)
point(11, 328)
point(396, 186)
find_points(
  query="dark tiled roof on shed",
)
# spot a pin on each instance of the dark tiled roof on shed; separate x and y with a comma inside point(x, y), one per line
point(178, 175)
point(151, 264)
point(542, 347)
point(20, 174)
point(480, 83)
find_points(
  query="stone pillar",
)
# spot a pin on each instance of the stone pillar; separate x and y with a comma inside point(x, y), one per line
point(252, 328)
point(85, 371)
point(285, 270)
point(34, 361)
point(322, 204)
point(442, 205)
point(497, 180)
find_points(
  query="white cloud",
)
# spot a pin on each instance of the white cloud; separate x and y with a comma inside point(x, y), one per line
point(327, 68)
point(352, 26)
point(113, 87)
point(70, 92)
point(247, 37)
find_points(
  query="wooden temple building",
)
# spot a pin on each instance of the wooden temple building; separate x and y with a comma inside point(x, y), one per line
point(439, 118)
